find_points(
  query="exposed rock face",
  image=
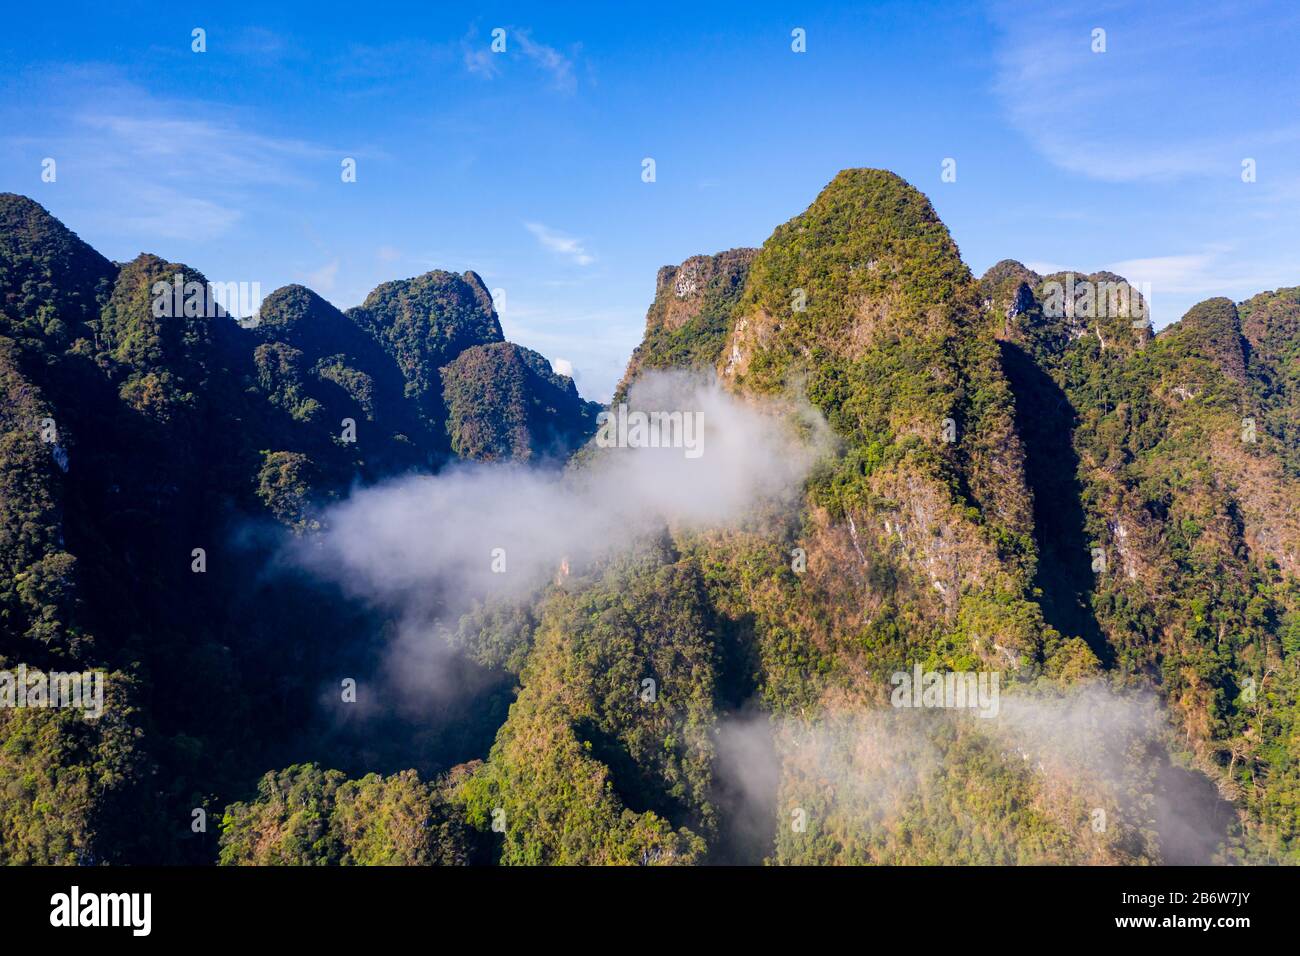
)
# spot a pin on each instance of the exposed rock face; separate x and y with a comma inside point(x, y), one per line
point(869, 263)
point(1052, 311)
point(689, 286)
point(691, 313)
point(1179, 453)
point(862, 298)
point(1025, 483)
point(1029, 483)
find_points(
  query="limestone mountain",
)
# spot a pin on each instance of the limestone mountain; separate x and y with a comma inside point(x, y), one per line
point(425, 323)
point(919, 546)
point(1171, 455)
point(1027, 483)
point(505, 402)
point(1271, 325)
point(146, 437)
point(1024, 482)
point(687, 324)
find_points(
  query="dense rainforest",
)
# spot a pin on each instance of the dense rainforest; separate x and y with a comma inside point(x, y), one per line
point(1024, 480)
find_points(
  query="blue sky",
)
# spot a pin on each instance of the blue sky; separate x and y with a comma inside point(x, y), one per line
point(526, 166)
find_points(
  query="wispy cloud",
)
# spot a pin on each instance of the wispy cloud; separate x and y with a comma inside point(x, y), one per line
point(478, 57)
point(1190, 272)
point(160, 211)
point(1164, 101)
point(562, 245)
point(155, 167)
point(322, 280)
point(480, 60)
point(1174, 283)
point(549, 59)
point(174, 147)
point(1212, 271)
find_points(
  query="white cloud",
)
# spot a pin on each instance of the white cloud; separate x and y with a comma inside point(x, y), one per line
point(560, 244)
point(322, 280)
point(479, 59)
point(404, 543)
point(153, 167)
point(167, 213)
point(1190, 272)
point(176, 147)
point(549, 59)
point(562, 367)
point(1174, 283)
point(1166, 100)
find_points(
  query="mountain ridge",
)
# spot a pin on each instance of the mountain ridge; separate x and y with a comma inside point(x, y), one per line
point(1026, 482)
